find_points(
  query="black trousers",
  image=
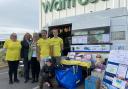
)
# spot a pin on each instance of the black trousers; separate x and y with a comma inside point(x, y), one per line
point(35, 68)
point(26, 68)
point(13, 67)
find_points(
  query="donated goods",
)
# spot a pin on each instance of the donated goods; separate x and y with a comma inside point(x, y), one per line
point(83, 57)
point(92, 82)
point(98, 73)
point(71, 55)
point(86, 57)
point(79, 57)
point(70, 77)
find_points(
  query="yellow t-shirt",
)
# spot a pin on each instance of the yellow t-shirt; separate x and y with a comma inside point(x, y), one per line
point(13, 50)
point(56, 43)
point(44, 45)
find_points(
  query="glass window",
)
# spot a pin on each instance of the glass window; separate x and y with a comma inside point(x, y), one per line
point(119, 35)
point(97, 31)
point(78, 33)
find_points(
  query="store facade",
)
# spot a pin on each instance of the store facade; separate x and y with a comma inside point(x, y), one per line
point(102, 24)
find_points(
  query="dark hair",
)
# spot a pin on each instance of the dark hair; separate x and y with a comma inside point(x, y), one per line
point(55, 29)
point(43, 31)
point(40, 35)
point(27, 34)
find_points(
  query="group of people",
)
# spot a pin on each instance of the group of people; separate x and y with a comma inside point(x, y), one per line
point(33, 50)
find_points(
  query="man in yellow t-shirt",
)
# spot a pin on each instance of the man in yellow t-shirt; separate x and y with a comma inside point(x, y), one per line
point(12, 47)
point(56, 45)
point(43, 47)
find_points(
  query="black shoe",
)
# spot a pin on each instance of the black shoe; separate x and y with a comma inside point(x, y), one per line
point(25, 81)
point(16, 80)
point(33, 81)
point(10, 82)
point(36, 80)
point(29, 78)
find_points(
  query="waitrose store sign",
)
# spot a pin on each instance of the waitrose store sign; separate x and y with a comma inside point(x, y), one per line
point(59, 5)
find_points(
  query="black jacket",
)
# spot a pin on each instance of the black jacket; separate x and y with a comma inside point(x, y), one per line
point(24, 49)
point(48, 70)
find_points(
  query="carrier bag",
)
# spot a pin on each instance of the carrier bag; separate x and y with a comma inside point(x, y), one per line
point(69, 78)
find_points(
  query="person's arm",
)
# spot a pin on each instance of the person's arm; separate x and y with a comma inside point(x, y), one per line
point(21, 52)
point(51, 48)
point(38, 50)
point(38, 53)
point(61, 45)
point(20, 58)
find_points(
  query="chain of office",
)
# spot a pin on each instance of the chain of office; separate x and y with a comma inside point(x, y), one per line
point(59, 5)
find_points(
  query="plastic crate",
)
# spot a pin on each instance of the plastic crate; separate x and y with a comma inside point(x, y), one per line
point(92, 82)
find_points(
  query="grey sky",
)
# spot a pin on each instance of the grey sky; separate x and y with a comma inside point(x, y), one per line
point(19, 14)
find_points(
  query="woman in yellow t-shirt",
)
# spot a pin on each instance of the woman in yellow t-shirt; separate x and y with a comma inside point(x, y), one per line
point(13, 48)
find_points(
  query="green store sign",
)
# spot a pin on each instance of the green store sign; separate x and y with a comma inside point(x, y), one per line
point(59, 5)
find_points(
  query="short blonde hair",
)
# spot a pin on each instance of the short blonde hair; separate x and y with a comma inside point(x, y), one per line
point(13, 34)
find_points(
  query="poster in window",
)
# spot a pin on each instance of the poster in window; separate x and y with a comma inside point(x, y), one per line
point(79, 39)
point(100, 38)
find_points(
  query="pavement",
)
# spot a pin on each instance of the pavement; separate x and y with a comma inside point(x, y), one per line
point(5, 85)
point(3, 65)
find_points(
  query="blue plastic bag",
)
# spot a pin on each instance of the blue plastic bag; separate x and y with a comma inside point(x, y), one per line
point(70, 77)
